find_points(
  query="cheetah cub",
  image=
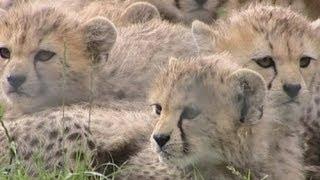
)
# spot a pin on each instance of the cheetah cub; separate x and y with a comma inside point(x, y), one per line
point(212, 114)
point(46, 56)
point(281, 45)
point(60, 57)
point(54, 140)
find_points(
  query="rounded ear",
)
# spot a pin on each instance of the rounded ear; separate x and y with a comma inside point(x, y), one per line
point(248, 94)
point(140, 12)
point(100, 35)
point(203, 37)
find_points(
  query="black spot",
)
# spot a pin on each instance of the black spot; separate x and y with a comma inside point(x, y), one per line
point(91, 144)
point(78, 155)
point(27, 156)
point(13, 138)
point(49, 147)
point(27, 137)
point(53, 134)
point(66, 129)
point(87, 129)
point(34, 142)
point(74, 136)
point(77, 126)
point(60, 152)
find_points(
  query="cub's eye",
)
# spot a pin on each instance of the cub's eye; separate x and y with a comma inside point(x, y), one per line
point(190, 112)
point(44, 55)
point(5, 53)
point(305, 61)
point(265, 62)
point(157, 108)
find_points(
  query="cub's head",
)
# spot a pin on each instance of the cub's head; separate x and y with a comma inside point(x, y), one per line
point(200, 104)
point(47, 56)
point(281, 45)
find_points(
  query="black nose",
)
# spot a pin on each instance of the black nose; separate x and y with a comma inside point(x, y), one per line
point(292, 90)
point(161, 139)
point(201, 2)
point(16, 81)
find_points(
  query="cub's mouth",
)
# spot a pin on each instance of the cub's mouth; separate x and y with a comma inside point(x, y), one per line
point(291, 101)
point(17, 92)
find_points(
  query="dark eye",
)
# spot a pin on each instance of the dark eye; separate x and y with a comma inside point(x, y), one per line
point(157, 109)
point(5, 53)
point(190, 112)
point(44, 55)
point(265, 62)
point(305, 61)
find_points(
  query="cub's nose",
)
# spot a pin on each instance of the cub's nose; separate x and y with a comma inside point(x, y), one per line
point(161, 139)
point(201, 2)
point(16, 81)
point(292, 90)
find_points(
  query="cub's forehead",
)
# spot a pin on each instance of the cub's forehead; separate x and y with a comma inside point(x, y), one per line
point(190, 76)
point(274, 21)
point(29, 24)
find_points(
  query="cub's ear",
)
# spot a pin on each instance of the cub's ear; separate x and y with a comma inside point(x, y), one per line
point(315, 25)
point(204, 38)
point(248, 94)
point(99, 35)
point(139, 12)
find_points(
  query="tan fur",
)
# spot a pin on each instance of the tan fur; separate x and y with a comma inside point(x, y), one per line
point(121, 13)
point(69, 4)
point(269, 31)
point(47, 140)
point(132, 61)
point(114, 132)
point(78, 46)
point(297, 5)
point(215, 138)
point(311, 122)
point(306, 7)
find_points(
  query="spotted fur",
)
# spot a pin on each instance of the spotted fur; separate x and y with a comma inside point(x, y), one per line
point(266, 31)
point(55, 140)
